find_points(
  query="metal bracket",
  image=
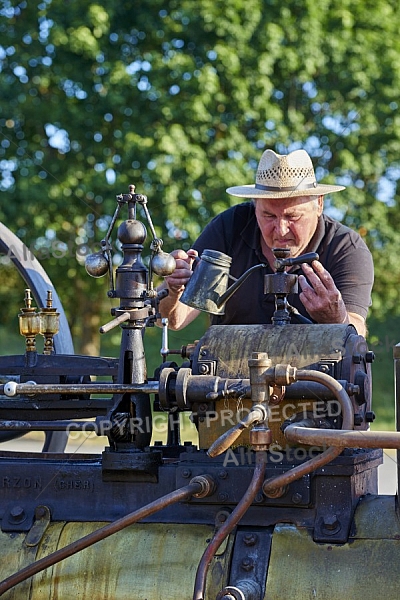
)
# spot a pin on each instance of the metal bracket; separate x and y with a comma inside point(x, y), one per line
point(207, 367)
point(249, 567)
point(38, 529)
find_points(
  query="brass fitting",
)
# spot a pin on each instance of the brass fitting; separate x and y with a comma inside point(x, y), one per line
point(207, 484)
point(49, 324)
point(29, 323)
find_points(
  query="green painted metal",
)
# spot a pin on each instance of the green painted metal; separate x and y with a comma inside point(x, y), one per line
point(149, 561)
point(159, 561)
point(365, 568)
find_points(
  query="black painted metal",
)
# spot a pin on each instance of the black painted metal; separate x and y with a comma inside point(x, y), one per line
point(249, 564)
point(396, 356)
point(75, 488)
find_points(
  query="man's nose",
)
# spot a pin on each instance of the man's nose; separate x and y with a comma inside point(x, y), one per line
point(282, 227)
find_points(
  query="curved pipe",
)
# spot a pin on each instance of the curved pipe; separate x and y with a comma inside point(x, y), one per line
point(226, 528)
point(336, 388)
point(342, 438)
point(196, 486)
point(328, 455)
point(279, 481)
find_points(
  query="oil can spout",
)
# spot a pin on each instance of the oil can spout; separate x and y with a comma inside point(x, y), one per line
point(208, 291)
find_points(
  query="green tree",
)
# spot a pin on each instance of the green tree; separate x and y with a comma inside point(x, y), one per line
point(180, 99)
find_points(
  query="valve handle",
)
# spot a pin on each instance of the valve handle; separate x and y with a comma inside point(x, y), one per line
point(257, 415)
point(226, 440)
point(281, 262)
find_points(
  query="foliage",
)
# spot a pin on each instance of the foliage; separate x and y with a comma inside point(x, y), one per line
point(180, 99)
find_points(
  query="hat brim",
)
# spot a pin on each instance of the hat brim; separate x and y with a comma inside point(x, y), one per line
point(250, 191)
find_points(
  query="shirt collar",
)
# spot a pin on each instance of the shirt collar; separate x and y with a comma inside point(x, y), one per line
point(318, 236)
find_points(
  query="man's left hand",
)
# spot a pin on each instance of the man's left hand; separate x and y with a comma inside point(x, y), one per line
point(320, 296)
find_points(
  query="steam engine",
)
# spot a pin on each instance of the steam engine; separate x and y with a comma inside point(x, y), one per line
point(277, 500)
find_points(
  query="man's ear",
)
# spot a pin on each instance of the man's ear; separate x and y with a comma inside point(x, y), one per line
point(320, 205)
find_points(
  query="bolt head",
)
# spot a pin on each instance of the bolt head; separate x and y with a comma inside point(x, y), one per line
point(247, 564)
point(250, 539)
point(330, 522)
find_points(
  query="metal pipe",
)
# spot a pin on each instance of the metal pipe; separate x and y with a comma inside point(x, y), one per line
point(341, 438)
point(227, 527)
point(336, 388)
point(86, 426)
point(11, 388)
point(328, 455)
point(196, 486)
point(293, 392)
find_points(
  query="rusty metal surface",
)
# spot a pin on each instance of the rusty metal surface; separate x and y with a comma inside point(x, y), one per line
point(158, 561)
point(230, 347)
point(298, 345)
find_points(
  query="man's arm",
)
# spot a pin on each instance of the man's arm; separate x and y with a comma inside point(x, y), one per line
point(322, 299)
point(179, 315)
point(359, 323)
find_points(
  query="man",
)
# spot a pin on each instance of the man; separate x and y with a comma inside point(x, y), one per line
point(285, 211)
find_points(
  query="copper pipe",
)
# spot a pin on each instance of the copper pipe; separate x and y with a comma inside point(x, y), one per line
point(227, 527)
point(336, 388)
point(301, 470)
point(196, 486)
point(328, 455)
point(281, 480)
point(343, 439)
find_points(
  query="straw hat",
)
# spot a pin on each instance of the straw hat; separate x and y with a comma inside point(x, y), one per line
point(284, 176)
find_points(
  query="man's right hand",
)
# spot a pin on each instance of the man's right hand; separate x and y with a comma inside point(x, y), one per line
point(177, 281)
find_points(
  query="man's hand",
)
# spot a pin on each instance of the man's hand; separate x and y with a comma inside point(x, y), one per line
point(323, 301)
point(320, 296)
point(183, 271)
point(178, 314)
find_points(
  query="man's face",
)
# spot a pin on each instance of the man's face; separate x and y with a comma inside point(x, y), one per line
point(288, 222)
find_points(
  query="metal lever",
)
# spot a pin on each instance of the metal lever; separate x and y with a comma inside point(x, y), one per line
point(258, 414)
point(164, 343)
point(281, 263)
point(115, 322)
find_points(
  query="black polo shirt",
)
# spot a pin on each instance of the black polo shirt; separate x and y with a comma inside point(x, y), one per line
point(341, 251)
